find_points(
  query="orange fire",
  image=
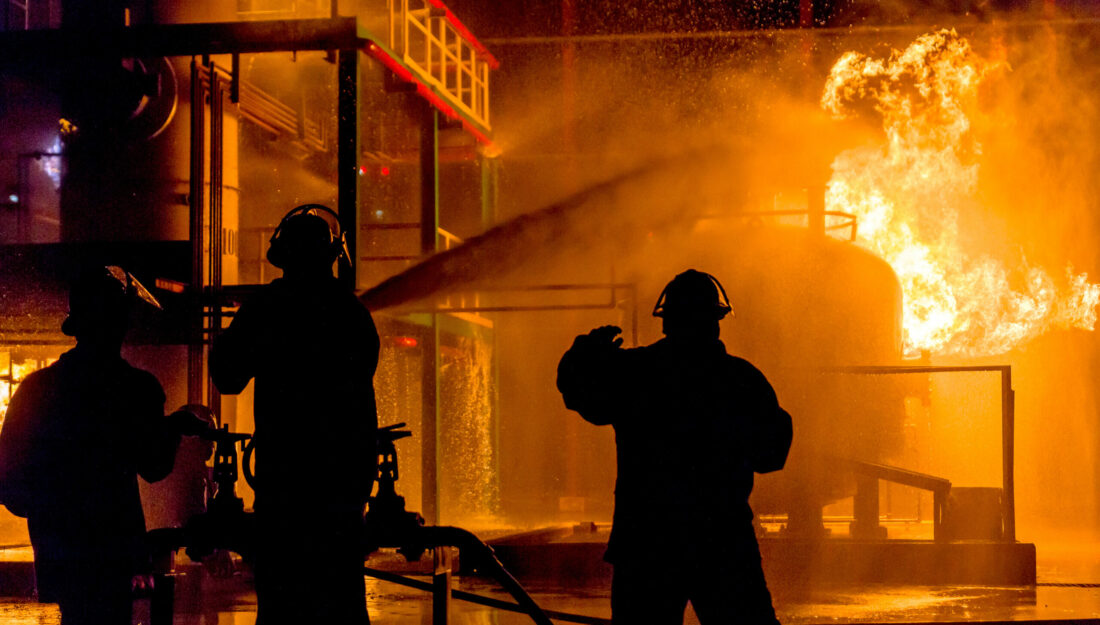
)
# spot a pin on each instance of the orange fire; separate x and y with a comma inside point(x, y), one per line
point(909, 191)
point(10, 382)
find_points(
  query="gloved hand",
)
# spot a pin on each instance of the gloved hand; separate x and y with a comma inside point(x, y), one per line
point(185, 422)
point(603, 337)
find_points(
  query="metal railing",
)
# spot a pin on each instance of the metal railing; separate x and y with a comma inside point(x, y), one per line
point(1008, 423)
point(840, 220)
point(429, 40)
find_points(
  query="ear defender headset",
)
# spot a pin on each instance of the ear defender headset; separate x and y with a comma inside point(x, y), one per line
point(277, 251)
point(691, 279)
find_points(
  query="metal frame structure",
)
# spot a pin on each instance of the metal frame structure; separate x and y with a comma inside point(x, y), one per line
point(452, 80)
point(1008, 424)
point(431, 41)
point(206, 39)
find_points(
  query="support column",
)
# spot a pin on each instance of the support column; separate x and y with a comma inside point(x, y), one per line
point(866, 510)
point(443, 560)
point(347, 178)
point(429, 226)
point(1008, 444)
point(214, 253)
point(195, 201)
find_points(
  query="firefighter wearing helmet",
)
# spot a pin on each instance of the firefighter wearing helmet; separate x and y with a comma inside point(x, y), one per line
point(77, 435)
point(692, 425)
point(312, 349)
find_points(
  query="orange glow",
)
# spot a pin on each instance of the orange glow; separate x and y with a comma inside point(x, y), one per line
point(909, 192)
point(405, 341)
point(18, 372)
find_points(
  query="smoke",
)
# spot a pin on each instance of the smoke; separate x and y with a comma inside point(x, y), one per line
point(633, 171)
point(1040, 130)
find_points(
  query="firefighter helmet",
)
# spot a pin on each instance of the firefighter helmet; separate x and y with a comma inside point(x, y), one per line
point(693, 294)
point(104, 296)
point(303, 237)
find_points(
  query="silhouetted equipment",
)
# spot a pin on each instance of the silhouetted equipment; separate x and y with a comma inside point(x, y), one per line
point(387, 524)
point(225, 524)
point(387, 520)
point(974, 513)
point(693, 292)
point(292, 236)
point(866, 501)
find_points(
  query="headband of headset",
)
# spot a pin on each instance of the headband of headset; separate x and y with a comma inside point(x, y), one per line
point(722, 307)
point(339, 242)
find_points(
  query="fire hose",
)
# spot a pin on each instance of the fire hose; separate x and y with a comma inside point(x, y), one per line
point(491, 602)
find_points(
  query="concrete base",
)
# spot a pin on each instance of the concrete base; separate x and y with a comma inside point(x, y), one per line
point(570, 558)
point(899, 561)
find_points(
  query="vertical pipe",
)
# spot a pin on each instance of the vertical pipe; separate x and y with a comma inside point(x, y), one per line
point(443, 558)
point(195, 197)
point(347, 177)
point(1008, 434)
point(215, 234)
point(429, 228)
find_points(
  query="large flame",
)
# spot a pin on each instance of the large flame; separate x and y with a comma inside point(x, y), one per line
point(908, 193)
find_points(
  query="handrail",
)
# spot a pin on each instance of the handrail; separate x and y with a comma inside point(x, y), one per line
point(442, 52)
point(852, 221)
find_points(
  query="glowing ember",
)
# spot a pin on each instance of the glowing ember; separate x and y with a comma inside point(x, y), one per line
point(908, 193)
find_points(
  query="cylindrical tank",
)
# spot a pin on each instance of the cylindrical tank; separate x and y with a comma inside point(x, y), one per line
point(806, 305)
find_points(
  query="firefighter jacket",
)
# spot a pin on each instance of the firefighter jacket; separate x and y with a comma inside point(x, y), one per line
point(76, 436)
point(692, 425)
point(312, 348)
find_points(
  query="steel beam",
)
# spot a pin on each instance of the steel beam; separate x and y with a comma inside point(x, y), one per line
point(181, 40)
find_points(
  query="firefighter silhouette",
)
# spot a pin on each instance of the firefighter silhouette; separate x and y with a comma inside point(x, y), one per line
point(76, 436)
point(312, 349)
point(692, 424)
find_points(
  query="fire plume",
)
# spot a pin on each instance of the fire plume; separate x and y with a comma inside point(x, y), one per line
point(908, 194)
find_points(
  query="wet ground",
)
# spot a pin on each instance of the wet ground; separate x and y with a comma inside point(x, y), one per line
point(1069, 589)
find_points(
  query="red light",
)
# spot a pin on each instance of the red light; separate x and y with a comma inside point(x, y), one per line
point(362, 170)
point(385, 171)
point(405, 341)
point(170, 285)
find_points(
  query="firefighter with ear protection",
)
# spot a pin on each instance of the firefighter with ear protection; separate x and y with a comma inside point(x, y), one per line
point(312, 349)
point(692, 424)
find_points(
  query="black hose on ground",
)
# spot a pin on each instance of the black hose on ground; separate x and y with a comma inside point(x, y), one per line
point(476, 553)
point(491, 602)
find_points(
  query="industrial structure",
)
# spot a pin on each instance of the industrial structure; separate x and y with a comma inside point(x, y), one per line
point(171, 139)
